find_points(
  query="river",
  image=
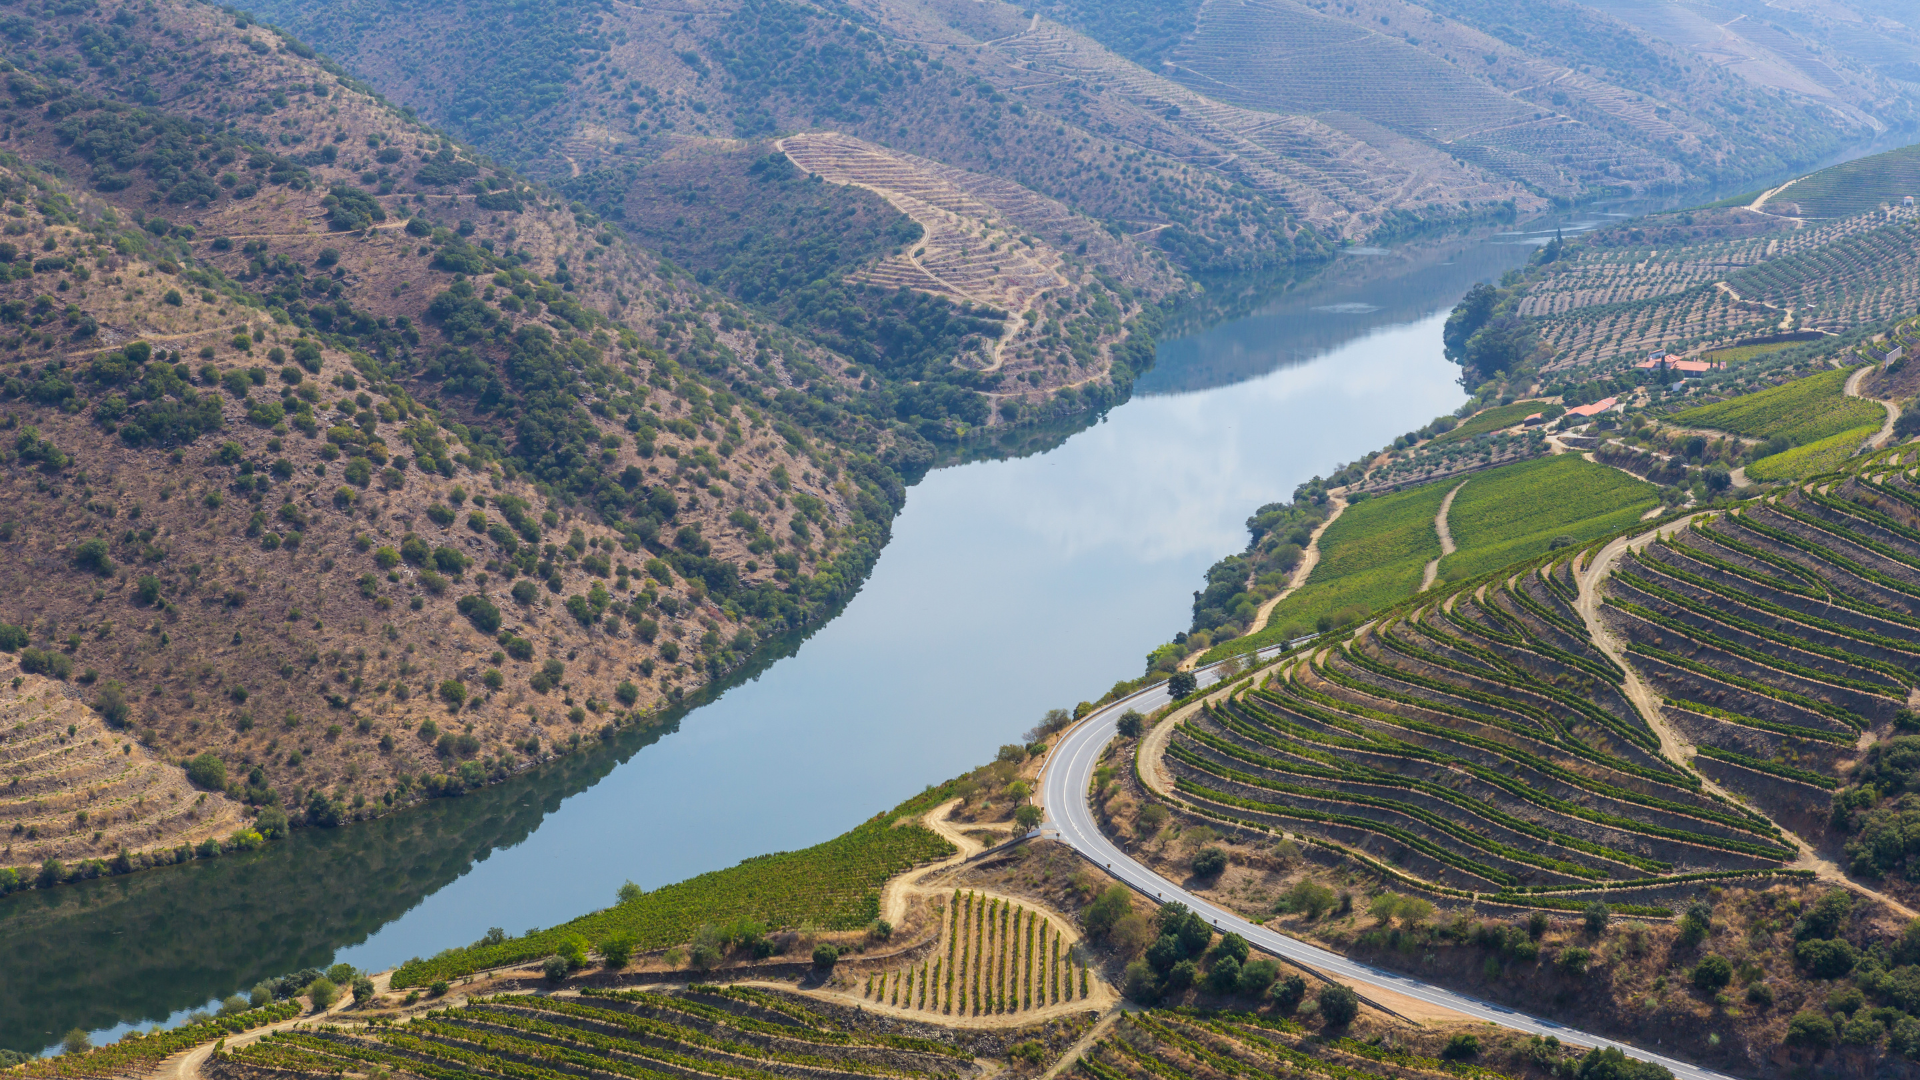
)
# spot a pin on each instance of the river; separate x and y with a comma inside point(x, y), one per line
point(1010, 587)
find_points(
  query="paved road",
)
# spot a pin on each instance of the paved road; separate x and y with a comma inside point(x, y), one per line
point(1064, 787)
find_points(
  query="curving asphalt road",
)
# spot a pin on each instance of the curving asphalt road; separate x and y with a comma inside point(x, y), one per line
point(1067, 778)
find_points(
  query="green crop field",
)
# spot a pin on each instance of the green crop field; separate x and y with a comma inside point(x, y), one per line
point(1740, 353)
point(834, 885)
point(1514, 512)
point(1815, 457)
point(709, 1031)
point(1857, 186)
point(1373, 556)
point(1803, 411)
point(1498, 417)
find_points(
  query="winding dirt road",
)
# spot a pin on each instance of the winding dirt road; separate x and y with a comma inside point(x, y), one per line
point(1446, 538)
point(1885, 434)
point(1677, 749)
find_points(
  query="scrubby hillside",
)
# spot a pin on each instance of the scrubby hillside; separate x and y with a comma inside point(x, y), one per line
point(1210, 130)
point(360, 462)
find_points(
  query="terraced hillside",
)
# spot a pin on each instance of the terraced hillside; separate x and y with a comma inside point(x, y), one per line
point(1192, 1045)
point(1237, 126)
point(79, 793)
point(997, 249)
point(363, 464)
point(731, 1032)
point(1609, 303)
point(1608, 724)
point(993, 957)
point(1477, 745)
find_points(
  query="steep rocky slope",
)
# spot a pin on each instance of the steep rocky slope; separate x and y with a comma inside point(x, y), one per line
point(353, 458)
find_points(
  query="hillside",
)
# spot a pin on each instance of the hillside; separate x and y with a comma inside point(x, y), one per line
point(1854, 187)
point(1677, 717)
point(1221, 137)
point(345, 455)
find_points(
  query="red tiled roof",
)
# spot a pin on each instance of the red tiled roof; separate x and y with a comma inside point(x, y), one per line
point(1594, 409)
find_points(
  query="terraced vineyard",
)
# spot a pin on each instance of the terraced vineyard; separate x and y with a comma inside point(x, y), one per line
point(1510, 513)
point(1801, 411)
point(1607, 725)
point(74, 790)
point(983, 244)
point(1292, 59)
point(734, 1032)
point(1373, 555)
point(1605, 302)
point(1854, 187)
point(994, 957)
point(1193, 1045)
point(1342, 182)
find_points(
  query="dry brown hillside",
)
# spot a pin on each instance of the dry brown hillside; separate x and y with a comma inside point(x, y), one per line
point(344, 455)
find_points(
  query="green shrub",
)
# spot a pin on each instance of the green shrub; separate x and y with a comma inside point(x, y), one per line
point(1810, 1029)
point(12, 637)
point(323, 993)
point(1712, 973)
point(1288, 993)
point(617, 950)
point(93, 557)
point(1256, 976)
point(1108, 908)
point(1461, 1047)
point(481, 612)
point(1309, 898)
point(453, 692)
point(825, 955)
point(1210, 862)
point(1596, 917)
point(1224, 978)
point(49, 662)
point(1825, 958)
point(112, 705)
point(208, 772)
point(1339, 1005)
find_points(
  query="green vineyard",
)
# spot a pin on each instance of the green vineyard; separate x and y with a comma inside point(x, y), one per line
point(1611, 302)
point(1192, 1045)
point(730, 1032)
point(138, 1053)
point(1490, 740)
point(994, 957)
point(1803, 411)
point(834, 885)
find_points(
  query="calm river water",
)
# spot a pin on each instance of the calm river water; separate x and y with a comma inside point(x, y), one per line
point(1010, 587)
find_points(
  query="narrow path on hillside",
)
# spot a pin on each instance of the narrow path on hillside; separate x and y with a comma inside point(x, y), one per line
point(1756, 204)
point(1309, 559)
point(1677, 749)
point(1086, 1042)
point(1881, 437)
point(1446, 538)
point(186, 1064)
point(893, 907)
